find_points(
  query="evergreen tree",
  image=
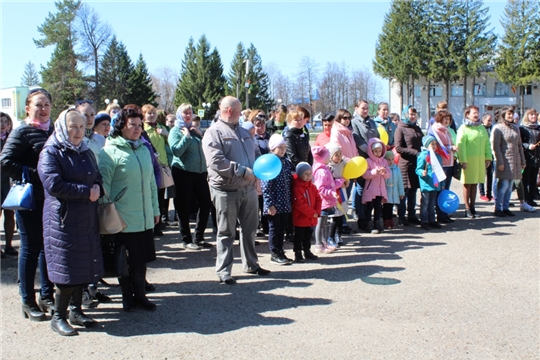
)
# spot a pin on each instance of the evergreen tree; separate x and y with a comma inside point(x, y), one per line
point(517, 61)
point(30, 76)
point(61, 77)
point(140, 90)
point(65, 84)
point(116, 69)
point(395, 49)
point(479, 42)
point(237, 75)
point(201, 78)
point(259, 83)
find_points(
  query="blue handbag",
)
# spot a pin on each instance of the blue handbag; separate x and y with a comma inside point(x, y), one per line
point(21, 196)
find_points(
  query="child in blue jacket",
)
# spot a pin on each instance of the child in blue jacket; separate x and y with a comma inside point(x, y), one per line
point(277, 200)
point(428, 189)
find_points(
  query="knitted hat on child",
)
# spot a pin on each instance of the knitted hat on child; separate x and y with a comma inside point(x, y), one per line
point(302, 167)
point(333, 148)
point(426, 140)
point(248, 125)
point(320, 154)
point(389, 155)
point(101, 117)
point(275, 141)
point(376, 145)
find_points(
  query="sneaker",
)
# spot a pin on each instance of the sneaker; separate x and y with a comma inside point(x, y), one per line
point(484, 198)
point(375, 231)
point(278, 259)
point(526, 207)
point(331, 243)
point(508, 213)
point(191, 246)
point(309, 255)
point(339, 240)
point(426, 226)
point(319, 249)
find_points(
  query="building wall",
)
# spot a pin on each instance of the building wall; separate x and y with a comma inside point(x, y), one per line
point(483, 91)
point(13, 103)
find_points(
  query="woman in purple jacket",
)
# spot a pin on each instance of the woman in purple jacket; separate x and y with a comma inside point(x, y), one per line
point(69, 173)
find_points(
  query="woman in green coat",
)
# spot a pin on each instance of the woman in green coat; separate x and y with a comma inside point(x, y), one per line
point(128, 177)
point(474, 154)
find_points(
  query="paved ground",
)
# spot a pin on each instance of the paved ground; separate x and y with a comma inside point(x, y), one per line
point(469, 291)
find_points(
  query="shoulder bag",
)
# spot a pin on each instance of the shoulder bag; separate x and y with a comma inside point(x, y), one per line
point(110, 221)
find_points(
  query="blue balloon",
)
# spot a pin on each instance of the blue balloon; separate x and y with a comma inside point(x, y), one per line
point(267, 167)
point(448, 201)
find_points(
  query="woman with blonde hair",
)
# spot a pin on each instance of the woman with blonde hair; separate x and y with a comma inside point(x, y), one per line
point(530, 137)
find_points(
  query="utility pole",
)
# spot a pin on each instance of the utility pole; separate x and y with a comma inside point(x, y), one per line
point(247, 83)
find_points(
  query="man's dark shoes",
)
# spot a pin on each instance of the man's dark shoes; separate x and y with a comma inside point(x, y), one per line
point(310, 256)
point(227, 279)
point(414, 220)
point(259, 271)
point(279, 259)
point(499, 213)
point(508, 213)
point(435, 225)
point(426, 226)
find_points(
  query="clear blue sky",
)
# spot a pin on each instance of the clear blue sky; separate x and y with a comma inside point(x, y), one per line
point(282, 32)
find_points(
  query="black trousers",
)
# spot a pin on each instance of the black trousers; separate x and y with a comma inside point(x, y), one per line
point(302, 238)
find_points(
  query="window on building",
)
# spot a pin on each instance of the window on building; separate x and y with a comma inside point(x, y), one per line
point(456, 90)
point(480, 89)
point(528, 90)
point(6, 103)
point(417, 91)
point(501, 89)
point(436, 90)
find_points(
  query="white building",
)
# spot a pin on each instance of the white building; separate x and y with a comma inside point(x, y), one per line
point(484, 91)
point(13, 102)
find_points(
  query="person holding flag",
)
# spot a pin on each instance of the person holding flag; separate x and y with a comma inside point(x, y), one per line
point(431, 176)
point(442, 133)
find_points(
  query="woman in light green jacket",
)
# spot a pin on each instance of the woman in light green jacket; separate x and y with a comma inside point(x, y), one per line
point(128, 177)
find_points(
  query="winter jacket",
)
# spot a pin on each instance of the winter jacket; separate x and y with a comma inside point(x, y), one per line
point(342, 135)
point(375, 183)
point(70, 222)
point(159, 142)
point(187, 152)
point(326, 184)
point(426, 182)
point(473, 149)
point(277, 192)
point(394, 185)
point(363, 130)
point(229, 149)
point(129, 180)
point(530, 135)
point(262, 142)
point(508, 151)
point(306, 202)
point(322, 139)
point(95, 142)
point(155, 164)
point(390, 128)
point(408, 143)
point(22, 148)
point(298, 148)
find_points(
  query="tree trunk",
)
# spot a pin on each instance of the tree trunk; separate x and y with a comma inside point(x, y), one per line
point(412, 92)
point(521, 100)
point(465, 92)
point(429, 100)
point(96, 63)
point(401, 99)
point(447, 93)
point(473, 96)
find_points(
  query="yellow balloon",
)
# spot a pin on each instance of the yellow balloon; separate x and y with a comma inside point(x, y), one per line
point(355, 168)
point(383, 135)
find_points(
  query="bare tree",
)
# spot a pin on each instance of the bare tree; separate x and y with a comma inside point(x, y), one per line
point(164, 81)
point(280, 85)
point(94, 34)
point(307, 80)
point(363, 85)
point(334, 88)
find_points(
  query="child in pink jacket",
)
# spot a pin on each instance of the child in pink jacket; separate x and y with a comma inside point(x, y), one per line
point(326, 185)
point(374, 194)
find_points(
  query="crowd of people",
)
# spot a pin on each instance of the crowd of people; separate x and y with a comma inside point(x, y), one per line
point(141, 158)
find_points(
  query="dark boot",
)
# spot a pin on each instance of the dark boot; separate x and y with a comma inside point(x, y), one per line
point(46, 305)
point(76, 315)
point(298, 256)
point(59, 322)
point(128, 302)
point(139, 280)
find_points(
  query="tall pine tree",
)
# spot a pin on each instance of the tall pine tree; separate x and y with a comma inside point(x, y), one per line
point(237, 73)
point(518, 47)
point(116, 69)
point(259, 83)
point(30, 76)
point(61, 77)
point(201, 77)
point(140, 90)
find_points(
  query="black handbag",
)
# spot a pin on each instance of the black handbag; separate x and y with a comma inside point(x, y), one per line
point(114, 257)
point(456, 171)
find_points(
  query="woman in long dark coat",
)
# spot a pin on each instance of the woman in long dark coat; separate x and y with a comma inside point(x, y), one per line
point(69, 173)
point(408, 143)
